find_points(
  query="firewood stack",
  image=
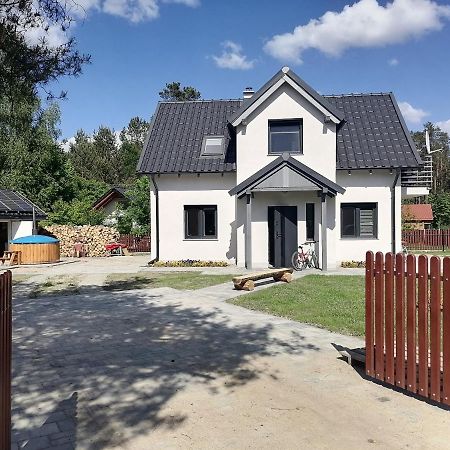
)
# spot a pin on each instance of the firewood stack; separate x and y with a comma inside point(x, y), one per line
point(94, 237)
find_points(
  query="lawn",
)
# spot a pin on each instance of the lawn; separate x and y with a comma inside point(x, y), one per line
point(431, 252)
point(176, 280)
point(333, 302)
point(56, 285)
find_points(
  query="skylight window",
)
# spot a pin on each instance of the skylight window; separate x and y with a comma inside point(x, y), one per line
point(213, 146)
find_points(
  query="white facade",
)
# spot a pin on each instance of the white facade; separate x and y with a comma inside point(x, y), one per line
point(243, 229)
point(14, 229)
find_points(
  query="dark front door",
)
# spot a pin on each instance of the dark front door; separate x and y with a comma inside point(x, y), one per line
point(283, 243)
point(3, 237)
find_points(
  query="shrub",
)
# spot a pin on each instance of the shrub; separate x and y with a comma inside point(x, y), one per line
point(189, 263)
point(353, 264)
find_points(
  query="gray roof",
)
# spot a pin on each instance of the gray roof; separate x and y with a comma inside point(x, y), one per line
point(14, 205)
point(373, 134)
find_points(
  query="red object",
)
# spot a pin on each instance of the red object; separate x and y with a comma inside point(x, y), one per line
point(418, 213)
point(114, 246)
point(417, 299)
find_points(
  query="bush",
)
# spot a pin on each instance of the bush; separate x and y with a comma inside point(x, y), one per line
point(189, 263)
point(353, 264)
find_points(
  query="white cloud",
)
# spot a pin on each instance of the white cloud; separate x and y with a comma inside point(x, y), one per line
point(393, 62)
point(133, 10)
point(411, 114)
point(444, 125)
point(233, 58)
point(363, 24)
point(54, 35)
point(191, 3)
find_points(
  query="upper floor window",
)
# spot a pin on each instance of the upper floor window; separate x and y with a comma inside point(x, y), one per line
point(213, 146)
point(359, 220)
point(285, 136)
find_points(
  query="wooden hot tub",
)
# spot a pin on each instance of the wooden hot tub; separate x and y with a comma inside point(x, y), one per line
point(36, 249)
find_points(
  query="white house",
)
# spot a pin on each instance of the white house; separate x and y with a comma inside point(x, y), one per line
point(249, 180)
point(16, 217)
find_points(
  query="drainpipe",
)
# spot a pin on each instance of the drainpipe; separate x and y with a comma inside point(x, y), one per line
point(394, 184)
point(152, 177)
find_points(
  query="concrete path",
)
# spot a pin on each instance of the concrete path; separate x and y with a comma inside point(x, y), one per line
point(168, 369)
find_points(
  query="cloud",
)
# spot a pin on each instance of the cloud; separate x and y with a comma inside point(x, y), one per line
point(53, 35)
point(233, 58)
point(393, 62)
point(444, 125)
point(364, 24)
point(411, 114)
point(133, 10)
point(191, 3)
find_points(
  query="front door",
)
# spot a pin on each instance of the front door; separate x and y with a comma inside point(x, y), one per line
point(282, 221)
point(3, 237)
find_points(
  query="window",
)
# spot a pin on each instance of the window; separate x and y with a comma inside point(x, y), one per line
point(359, 220)
point(200, 222)
point(310, 221)
point(285, 136)
point(213, 146)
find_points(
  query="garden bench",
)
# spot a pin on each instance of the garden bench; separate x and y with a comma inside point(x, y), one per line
point(247, 282)
point(11, 257)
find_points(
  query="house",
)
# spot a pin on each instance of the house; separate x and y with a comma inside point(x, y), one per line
point(16, 217)
point(109, 201)
point(248, 180)
point(417, 217)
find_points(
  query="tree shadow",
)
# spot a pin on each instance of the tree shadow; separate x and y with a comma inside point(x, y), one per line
point(126, 355)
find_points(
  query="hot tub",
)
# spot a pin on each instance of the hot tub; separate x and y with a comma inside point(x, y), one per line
point(36, 249)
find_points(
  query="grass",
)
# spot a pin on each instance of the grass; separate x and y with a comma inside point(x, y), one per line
point(17, 279)
point(329, 301)
point(431, 252)
point(57, 285)
point(176, 280)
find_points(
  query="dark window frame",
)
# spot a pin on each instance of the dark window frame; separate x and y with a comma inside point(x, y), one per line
point(311, 220)
point(288, 122)
point(201, 221)
point(357, 207)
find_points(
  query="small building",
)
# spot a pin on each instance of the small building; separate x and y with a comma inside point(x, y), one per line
point(417, 217)
point(16, 217)
point(109, 201)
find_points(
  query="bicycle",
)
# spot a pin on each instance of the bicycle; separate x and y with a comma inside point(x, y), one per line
point(302, 260)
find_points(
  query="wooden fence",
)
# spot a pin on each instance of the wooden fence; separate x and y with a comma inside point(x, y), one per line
point(408, 323)
point(135, 243)
point(5, 359)
point(426, 239)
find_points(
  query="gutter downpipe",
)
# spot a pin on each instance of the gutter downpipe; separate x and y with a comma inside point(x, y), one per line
point(394, 185)
point(152, 177)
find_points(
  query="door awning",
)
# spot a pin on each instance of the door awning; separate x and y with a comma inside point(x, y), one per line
point(287, 174)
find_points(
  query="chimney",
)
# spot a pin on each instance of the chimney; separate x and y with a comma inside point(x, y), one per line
point(248, 93)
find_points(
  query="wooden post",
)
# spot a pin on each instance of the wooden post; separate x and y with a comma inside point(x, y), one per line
point(370, 362)
point(248, 232)
point(324, 230)
point(379, 316)
point(411, 374)
point(435, 328)
point(422, 321)
point(389, 316)
point(400, 320)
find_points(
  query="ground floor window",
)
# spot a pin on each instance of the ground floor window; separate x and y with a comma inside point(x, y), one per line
point(359, 220)
point(200, 222)
point(310, 221)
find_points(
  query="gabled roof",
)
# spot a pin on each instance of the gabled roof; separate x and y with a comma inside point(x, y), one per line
point(372, 135)
point(308, 174)
point(176, 134)
point(114, 193)
point(286, 75)
point(419, 213)
point(14, 205)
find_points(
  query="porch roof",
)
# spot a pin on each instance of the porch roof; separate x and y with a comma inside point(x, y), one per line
point(294, 176)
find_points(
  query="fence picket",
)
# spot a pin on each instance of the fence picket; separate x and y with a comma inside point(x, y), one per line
point(379, 317)
point(369, 315)
point(426, 239)
point(422, 319)
point(400, 320)
point(411, 323)
point(389, 316)
point(446, 332)
point(435, 328)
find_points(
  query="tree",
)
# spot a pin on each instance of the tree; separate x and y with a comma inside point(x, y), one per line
point(441, 167)
point(27, 63)
point(174, 92)
point(440, 204)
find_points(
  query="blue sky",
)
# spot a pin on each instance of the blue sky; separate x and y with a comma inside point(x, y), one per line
point(220, 47)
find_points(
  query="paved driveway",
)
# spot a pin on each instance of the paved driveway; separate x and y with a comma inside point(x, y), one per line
point(166, 369)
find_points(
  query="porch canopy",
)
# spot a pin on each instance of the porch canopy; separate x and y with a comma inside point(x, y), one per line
point(282, 175)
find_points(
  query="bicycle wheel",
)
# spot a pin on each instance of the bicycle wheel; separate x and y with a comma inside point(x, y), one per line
point(297, 261)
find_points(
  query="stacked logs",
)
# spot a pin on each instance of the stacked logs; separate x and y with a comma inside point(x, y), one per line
point(94, 238)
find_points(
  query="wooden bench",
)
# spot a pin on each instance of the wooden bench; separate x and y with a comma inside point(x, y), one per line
point(11, 257)
point(247, 282)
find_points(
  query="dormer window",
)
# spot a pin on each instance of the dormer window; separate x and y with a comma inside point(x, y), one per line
point(285, 136)
point(213, 146)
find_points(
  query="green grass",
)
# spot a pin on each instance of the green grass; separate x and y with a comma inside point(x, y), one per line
point(329, 301)
point(431, 252)
point(176, 280)
point(57, 285)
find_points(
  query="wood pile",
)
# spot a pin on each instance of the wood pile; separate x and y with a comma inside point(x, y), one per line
point(94, 238)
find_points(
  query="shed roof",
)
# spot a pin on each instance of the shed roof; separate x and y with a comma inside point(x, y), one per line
point(418, 213)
